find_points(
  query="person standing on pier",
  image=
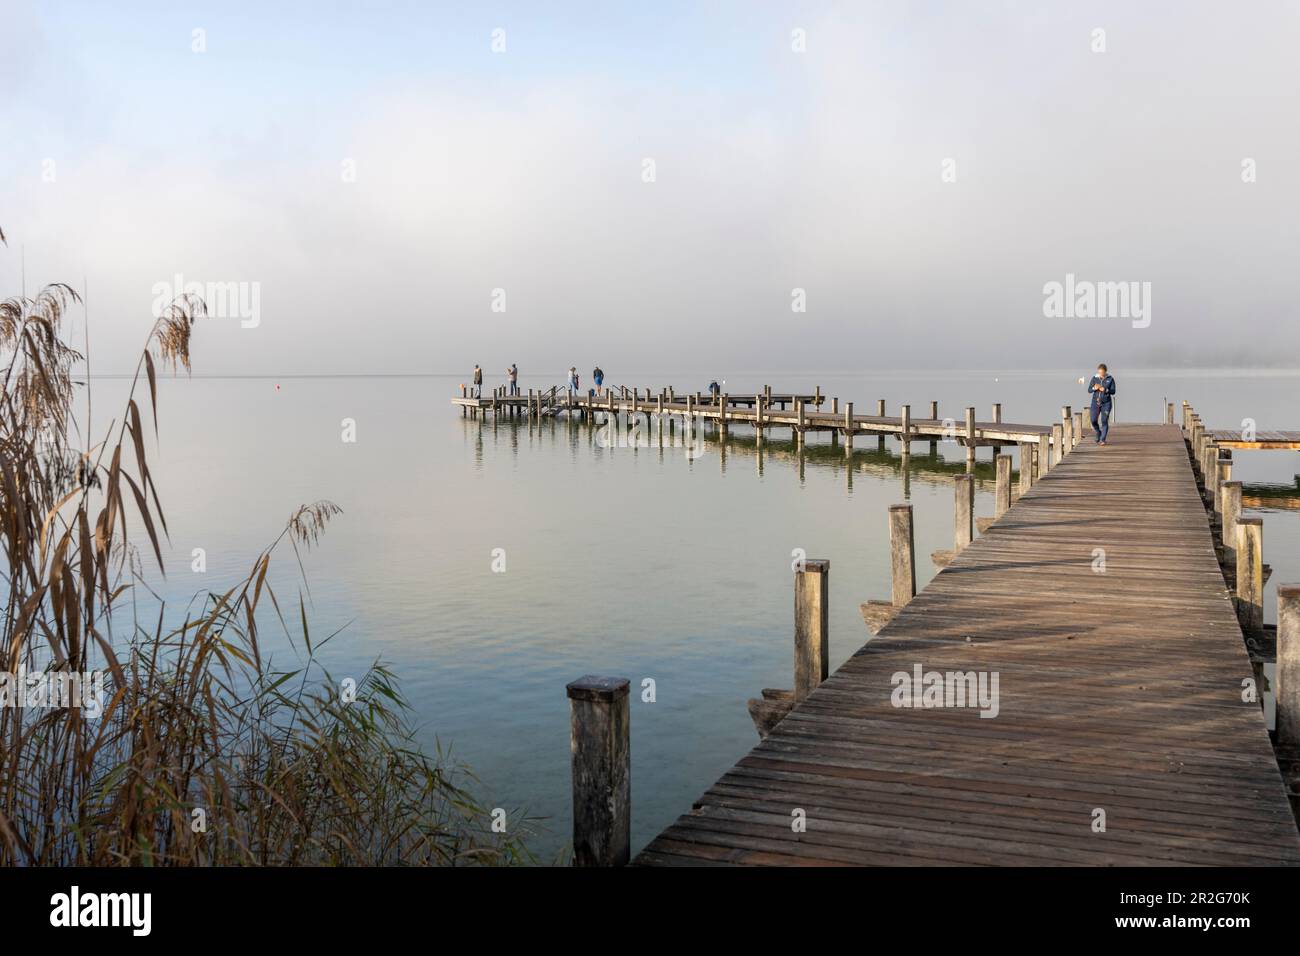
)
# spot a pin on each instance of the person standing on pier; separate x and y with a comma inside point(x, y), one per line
point(573, 379)
point(512, 373)
point(1101, 388)
point(598, 377)
point(478, 382)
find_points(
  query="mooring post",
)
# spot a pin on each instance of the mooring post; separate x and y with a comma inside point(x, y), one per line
point(1041, 460)
point(798, 407)
point(1067, 430)
point(1057, 439)
point(1250, 574)
point(905, 435)
point(997, 419)
point(601, 766)
point(1078, 428)
point(964, 511)
point(934, 416)
point(835, 405)
point(1286, 679)
point(901, 554)
point(1169, 413)
point(811, 625)
point(848, 428)
point(1212, 473)
point(1002, 495)
point(880, 407)
point(1026, 467)
point(970, 438)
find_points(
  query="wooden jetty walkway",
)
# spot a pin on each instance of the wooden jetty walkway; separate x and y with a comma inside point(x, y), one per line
point(1265, 440)
point(1119, 702)
point(800, 413)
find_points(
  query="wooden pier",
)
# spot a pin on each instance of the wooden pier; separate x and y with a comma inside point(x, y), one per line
point(1124, 733)
point(800, 413)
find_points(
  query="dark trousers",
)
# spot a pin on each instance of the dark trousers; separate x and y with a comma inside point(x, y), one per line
point(1101, 420)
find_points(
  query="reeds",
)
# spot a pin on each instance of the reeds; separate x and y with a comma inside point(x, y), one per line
point(204, 753)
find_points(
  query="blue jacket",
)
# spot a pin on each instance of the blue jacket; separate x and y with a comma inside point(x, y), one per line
point(1102, 398)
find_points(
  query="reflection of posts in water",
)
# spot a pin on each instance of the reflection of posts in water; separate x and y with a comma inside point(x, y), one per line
point(907, 479)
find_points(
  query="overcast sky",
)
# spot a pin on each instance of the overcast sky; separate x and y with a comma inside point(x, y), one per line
point(373, 172)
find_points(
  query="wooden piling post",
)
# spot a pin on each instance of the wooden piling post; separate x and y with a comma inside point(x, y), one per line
point(835, 406)
point(901, 554)
point(1286, 680)
point(1222, 477)
point(848, 427)
point(1250, 574)
point(970, 438)
point(798, 407)
point(1169, 413)
point(880, 408)
point(1078, 429)
point(1231, 495)
point(964, 511)
point(1067, 430)
point(599, 742)
point(934, 416)
point(811, 625)
point(997, 419)
point(906, 434)
point(1042, 459)
point(1057, 439)
point(1026, 466)
point(1002, 496)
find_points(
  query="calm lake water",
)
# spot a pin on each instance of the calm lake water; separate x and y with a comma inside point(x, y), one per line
point(628, 561)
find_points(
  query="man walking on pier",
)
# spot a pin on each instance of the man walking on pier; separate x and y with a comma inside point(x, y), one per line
point(1101, 388)
point(478, 382)
point(598, 377)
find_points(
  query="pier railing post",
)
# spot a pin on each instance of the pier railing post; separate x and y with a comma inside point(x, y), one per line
point(1286, 679)
point(811, 625)
point(901, 554)
point(601, 766)
point(1002, 494)
point(1250, 574)
point(964, 511)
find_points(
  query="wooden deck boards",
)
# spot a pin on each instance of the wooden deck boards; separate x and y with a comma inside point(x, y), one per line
point(1118, 690)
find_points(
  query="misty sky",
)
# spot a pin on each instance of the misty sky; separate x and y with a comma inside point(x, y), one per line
point(129, 158)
